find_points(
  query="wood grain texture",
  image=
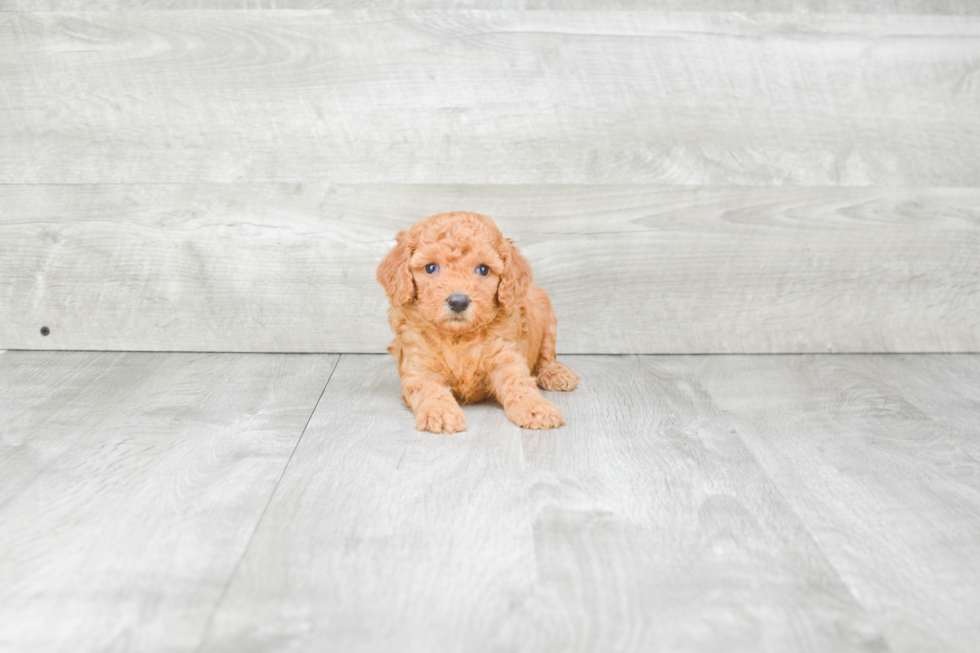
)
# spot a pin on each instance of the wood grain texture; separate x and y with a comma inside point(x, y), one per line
point(626, 531)
point(631, 269)
point(131, 484)
point(696, 503)
point(398, 95)
point(882, 469)
point(947, 389)
point(656, 530)
point(928, 7)
point(381, 538)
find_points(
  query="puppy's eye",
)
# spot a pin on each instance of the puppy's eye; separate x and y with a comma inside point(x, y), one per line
point(431, 268)
point(482, 270)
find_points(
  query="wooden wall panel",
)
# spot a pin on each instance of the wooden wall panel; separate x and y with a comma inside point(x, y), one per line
point(935, 7)
point(284, 267)
point(470, 96)
point(713, 179)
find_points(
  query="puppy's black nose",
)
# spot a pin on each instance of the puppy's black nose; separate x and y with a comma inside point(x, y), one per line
point(458, 303)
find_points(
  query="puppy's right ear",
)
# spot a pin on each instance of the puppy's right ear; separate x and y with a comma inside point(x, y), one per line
point(394, 274)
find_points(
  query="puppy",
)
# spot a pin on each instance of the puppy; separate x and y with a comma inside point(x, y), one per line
point(469, 325)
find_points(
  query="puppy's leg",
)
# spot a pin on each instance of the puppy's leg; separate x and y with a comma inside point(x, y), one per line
point(434, 406)
point(514, 387)
point(550, 374)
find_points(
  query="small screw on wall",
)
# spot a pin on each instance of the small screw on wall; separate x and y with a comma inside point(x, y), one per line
point(45, 331)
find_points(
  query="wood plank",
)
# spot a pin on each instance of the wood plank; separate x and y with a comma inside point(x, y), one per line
point(381, 538)
point(131, 486)
point(649, 533)
point(132, 483)
point(399, 95)
point(888, 484)
point(926, 7)
point(631, 269)
point(945, 387)
point(656, 530)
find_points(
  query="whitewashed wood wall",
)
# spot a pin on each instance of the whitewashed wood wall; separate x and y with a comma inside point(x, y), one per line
point(705, 177)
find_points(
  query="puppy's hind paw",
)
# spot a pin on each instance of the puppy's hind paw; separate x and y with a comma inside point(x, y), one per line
point(555, 376)
point(440, 418)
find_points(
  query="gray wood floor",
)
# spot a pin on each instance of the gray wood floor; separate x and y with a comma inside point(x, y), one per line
point(248, 502)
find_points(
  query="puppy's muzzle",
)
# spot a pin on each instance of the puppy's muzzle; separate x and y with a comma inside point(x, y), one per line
point(458, 303)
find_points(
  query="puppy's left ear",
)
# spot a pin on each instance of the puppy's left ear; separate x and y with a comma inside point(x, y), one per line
point(394, 274)
point(516, 277)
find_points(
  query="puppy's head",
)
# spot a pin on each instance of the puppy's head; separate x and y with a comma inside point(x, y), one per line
point(456, 270)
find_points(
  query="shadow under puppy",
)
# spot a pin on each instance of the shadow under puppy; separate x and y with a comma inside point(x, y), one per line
point(469, 325)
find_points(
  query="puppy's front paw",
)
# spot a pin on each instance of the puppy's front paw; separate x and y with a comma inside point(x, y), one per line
point(537, 413)
point(555, 376)
point(440, 417)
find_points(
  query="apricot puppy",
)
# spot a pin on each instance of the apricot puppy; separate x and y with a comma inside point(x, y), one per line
point(469, 325)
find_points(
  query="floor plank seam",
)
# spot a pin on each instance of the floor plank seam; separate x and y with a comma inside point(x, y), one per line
point(258, 522)
point(530, 516)
point(804, 527)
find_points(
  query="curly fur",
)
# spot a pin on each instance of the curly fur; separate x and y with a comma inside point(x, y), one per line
point(501, 347)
